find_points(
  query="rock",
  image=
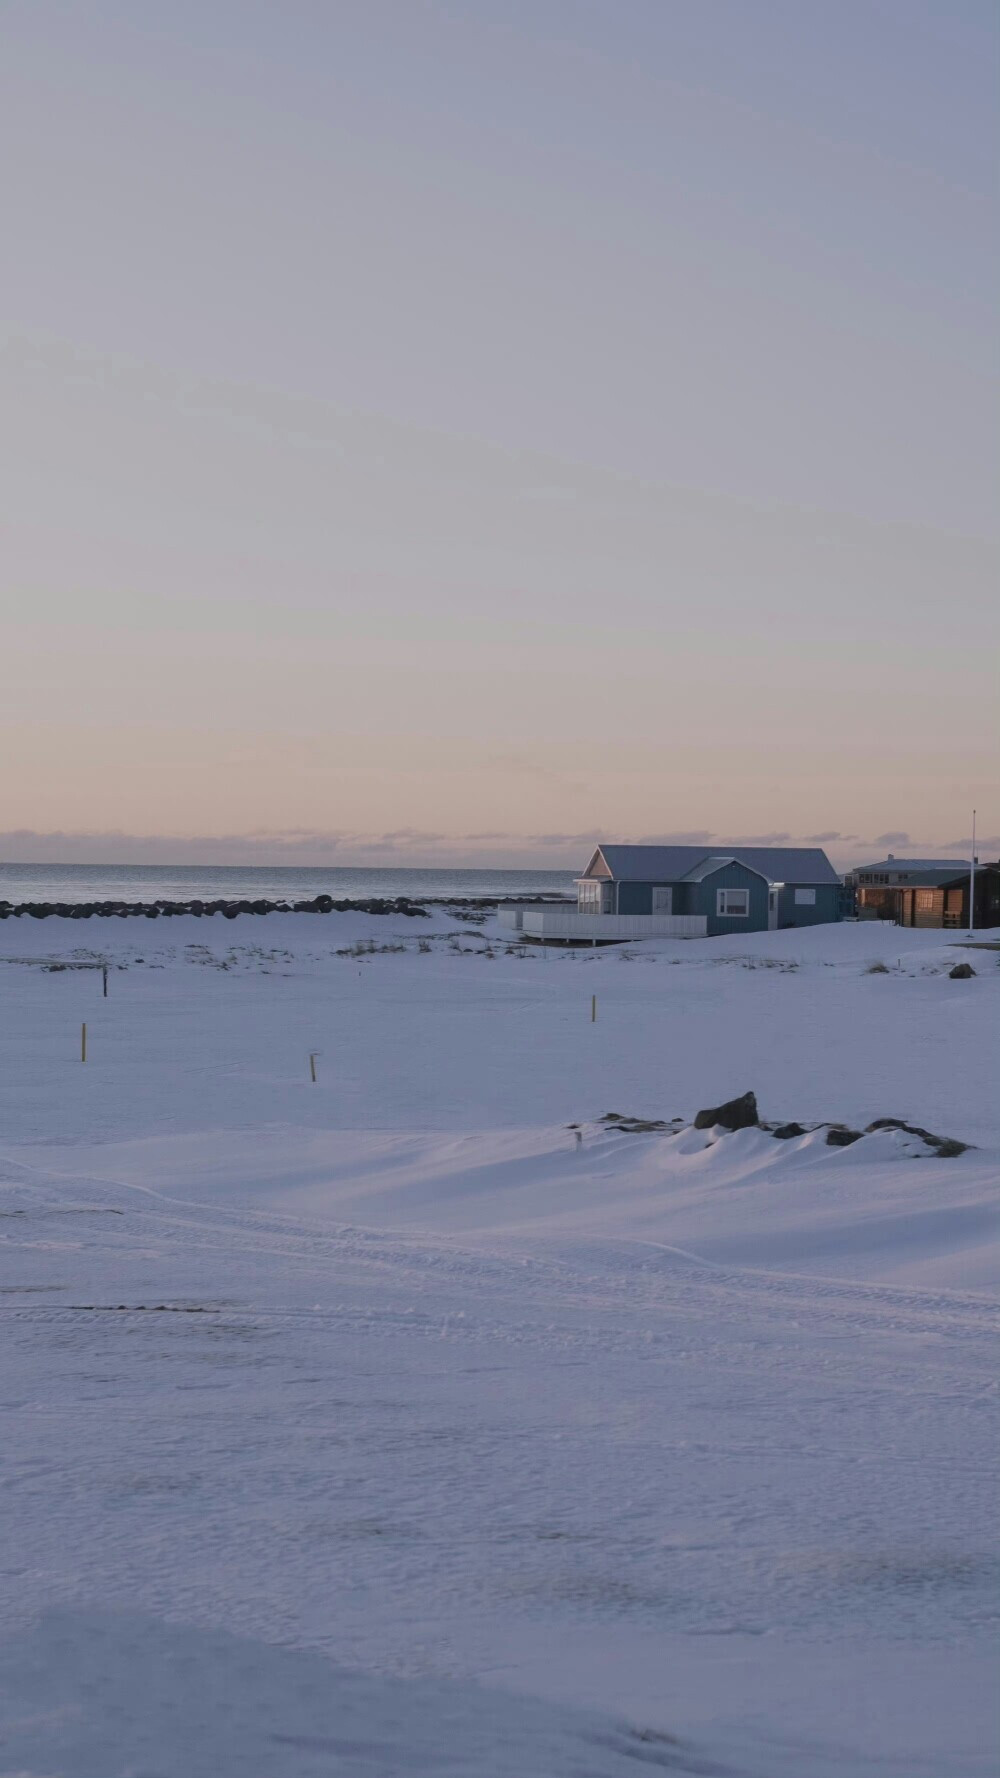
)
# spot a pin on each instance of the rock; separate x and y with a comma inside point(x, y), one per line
point(945, 1146)
point(961, 972)
point(735, 1114)
point(785, 1132)
point(837, 1136)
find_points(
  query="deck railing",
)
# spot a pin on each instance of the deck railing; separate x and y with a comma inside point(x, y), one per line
point(566, 925)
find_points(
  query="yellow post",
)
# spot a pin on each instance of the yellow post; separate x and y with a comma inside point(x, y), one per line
point(312, 1064)
point(593, 1009)
point(83, 1043)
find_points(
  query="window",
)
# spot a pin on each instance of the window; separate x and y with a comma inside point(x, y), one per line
point(589, 897)
point(662, 900)
point(805, 898)
point(732, 904)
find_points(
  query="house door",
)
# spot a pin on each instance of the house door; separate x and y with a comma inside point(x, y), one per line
point(663, 901)
point(772, 910)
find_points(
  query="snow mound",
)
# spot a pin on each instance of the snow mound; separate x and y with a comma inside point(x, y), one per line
point(103, 1696)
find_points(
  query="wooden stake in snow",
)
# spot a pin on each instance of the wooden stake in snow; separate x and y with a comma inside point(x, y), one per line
point(312, 1063)
point(104, 978)
point(83, 1043)
point(593, 1009)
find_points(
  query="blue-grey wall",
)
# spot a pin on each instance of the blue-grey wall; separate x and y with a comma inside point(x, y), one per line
point(731, 876)
point(637, 898)
point(827, 906)
point(699, 898)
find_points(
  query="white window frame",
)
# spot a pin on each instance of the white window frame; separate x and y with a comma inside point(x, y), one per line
point(805, 898)
point(662, 889)
point(722, 909)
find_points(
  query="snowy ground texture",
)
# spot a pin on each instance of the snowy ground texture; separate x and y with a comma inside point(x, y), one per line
point(387, 1425)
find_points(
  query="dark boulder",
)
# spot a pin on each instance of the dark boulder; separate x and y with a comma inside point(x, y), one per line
point(961, 972)
point(837, 1136)
point(946, 1147)
point(735, 1114)
point(785, 1132)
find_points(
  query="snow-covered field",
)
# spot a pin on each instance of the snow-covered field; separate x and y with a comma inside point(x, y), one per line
point(388, 1425)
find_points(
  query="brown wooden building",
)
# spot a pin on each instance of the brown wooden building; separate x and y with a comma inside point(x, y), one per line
point(931, 892)
point(947, 904)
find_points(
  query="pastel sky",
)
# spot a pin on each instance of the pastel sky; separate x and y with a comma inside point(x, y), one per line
point(454, 429)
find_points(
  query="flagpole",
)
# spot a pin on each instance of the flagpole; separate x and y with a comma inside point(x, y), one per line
point(972, 880)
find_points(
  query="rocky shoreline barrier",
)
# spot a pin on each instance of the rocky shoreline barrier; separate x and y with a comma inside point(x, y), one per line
point(230, 910)
point(742, 1114)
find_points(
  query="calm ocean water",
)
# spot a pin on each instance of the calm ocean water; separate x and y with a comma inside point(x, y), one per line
point(205, 882)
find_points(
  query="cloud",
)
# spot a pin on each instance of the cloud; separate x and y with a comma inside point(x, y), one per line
point(989, 842)
point(489, 849)
point(760, 839)
point(593, 838)
point(892, 839)
point(297, 847)
point(697, 837)
point(410, 836)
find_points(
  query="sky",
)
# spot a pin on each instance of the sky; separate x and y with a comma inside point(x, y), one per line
point(457, 430)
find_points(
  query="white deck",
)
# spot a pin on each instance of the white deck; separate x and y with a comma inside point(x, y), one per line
point(566, 924)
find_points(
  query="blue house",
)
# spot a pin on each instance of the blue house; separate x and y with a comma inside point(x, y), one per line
point(733, 888)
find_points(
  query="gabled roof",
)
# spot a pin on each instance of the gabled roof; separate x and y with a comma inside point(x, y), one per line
point(709, 866)
point(669, 864)
point(919, 864)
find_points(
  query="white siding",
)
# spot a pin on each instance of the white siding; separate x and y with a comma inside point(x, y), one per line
point(566, 923)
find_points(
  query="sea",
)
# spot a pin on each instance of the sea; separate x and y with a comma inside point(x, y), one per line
point(236, 882)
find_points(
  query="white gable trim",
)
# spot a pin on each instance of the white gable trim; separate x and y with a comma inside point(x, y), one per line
point(598, 866)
